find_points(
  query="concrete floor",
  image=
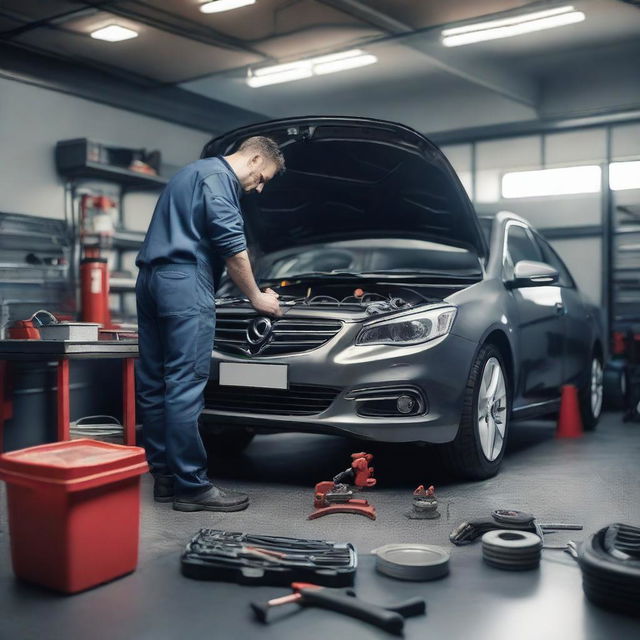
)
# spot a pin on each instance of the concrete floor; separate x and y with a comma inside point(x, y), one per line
point(593, 481)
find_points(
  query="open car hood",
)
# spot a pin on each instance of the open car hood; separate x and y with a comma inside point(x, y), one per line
point(352, 178)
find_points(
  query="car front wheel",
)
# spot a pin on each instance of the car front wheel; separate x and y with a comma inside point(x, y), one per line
point(591, 396)
point(479, 447)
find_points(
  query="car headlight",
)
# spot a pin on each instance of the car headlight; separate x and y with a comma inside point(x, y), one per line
point(420, 327)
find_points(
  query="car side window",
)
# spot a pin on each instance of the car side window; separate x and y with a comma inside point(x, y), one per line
point(520, 246)
point(552, 258)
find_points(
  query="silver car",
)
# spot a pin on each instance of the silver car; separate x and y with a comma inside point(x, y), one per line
point(406, 318)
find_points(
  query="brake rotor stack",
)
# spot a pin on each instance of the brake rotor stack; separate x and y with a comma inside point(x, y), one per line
point(511, 550)
point(610, 563)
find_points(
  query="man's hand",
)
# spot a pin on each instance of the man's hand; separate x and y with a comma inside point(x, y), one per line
point(267, 303)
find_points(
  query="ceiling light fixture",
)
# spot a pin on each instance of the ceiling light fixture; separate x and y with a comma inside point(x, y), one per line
point(276, 78)
point(509, 27)
point(217, 6)
point(114, 33)
point(300, 69)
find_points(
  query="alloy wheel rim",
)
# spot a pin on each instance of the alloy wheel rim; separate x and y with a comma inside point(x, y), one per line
point(597, 388)
point(492, 409)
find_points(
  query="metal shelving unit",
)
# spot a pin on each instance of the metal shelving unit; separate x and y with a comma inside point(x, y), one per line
point(625, 277)
point(76, 162)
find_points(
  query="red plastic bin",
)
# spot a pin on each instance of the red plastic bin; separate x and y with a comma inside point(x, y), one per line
point(74, 512)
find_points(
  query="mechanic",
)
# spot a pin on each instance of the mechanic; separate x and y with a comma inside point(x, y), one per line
point(197, 225)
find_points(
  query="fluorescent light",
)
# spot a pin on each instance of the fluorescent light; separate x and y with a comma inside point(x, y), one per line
point(624, 175)
point(300, 69)
point(343, 65)
point(491, 24)
point(509, 27)
point(337, 56)
point(114, 33)
point(224, 5)
point(551, 182)
point(280, 68)
point(276, 78)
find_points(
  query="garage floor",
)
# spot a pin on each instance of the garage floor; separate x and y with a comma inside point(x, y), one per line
point(594, 481)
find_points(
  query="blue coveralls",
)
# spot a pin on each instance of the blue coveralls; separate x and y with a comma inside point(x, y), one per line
point(196, 224)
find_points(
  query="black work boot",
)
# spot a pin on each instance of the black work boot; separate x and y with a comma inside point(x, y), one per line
point(163, 488)
point(214, 499)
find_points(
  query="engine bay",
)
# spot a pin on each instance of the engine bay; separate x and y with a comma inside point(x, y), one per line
point(375, 299)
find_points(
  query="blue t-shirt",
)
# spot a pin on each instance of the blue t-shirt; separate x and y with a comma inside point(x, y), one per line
point(197, 216)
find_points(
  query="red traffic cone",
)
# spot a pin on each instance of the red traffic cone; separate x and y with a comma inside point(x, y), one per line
point(569, 420)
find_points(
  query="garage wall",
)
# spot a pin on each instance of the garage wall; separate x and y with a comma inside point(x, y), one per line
point(33, 119)
point(482, 165)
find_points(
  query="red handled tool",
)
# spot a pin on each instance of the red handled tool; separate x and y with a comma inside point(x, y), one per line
point(390, 618)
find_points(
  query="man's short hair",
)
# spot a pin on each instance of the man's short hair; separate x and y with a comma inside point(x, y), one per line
point(266, 147)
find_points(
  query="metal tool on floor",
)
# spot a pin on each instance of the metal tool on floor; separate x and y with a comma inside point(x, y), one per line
point(390, 618)
point(425, 504)
point(468, 531)
point(337, 495)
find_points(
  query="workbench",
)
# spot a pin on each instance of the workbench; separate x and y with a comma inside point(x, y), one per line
point(63, 352)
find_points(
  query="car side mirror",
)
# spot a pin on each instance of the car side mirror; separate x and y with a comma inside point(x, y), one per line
point(528, 273)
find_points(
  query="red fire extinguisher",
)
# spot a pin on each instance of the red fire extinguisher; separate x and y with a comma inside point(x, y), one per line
point(94, 290)
point(96, 234)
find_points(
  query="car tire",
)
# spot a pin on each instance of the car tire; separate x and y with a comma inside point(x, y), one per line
point(591, 395)
point(615, 384)
point(226, 443)
point(477, 452)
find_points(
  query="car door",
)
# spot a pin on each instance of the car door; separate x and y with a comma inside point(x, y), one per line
point(578, 325)
point(539, 321)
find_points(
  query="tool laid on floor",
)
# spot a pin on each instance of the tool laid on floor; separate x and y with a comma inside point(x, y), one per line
point(337, 495)
point(467, 532)
point(425, 504)
point(390, 618)
point(254, 559)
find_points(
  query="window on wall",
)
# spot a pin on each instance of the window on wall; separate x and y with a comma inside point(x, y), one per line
point(569, 180)
point(624, 175)
point(551, 182)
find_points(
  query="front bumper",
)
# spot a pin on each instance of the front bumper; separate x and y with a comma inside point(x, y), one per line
point(439, 369)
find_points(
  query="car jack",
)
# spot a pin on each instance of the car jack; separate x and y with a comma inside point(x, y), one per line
point(337, 495)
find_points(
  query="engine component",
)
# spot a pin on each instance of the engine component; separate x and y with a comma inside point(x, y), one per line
point(425, 504)
point(336, 496)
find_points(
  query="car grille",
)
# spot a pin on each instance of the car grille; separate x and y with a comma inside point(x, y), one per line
point(298, 400)
point(286, 336)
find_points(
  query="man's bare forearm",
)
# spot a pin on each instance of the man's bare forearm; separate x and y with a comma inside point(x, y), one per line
point(239, 270)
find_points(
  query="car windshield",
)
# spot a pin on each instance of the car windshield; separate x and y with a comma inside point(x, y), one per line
point(368, 256)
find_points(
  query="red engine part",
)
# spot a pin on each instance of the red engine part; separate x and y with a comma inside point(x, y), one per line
point(94, 290)
point(363, 477)
point(363, 472)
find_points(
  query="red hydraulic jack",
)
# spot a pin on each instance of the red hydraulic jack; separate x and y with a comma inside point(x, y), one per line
point(336, 496)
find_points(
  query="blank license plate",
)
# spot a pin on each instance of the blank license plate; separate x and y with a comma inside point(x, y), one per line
point(270, 376)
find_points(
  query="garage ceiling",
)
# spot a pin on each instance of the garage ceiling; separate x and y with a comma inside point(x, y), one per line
point(416, 79)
